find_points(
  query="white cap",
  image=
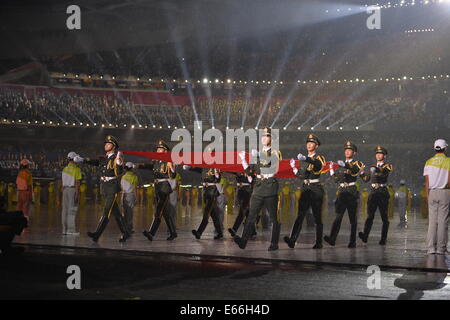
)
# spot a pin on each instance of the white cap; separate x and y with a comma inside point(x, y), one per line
point(402, 181)
point(440, 144)
point(71, 155)
point(129, 165)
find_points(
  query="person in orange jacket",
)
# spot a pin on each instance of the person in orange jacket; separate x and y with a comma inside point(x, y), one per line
point(24, 183)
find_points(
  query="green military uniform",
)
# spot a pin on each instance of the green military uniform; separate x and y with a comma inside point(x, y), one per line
point(347, 197)
point(312, 195)
point(110, 173)
point(264, 195)
point(378, 197)
point(211, 182)
point(162, 172)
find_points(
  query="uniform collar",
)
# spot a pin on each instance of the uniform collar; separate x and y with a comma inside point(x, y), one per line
point(109, 156)
point(312, 155)
point(265, 149)
point(350, 160)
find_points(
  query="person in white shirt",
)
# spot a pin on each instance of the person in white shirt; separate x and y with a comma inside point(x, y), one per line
point(71, 177)
point(437, 180)
point(128, 183)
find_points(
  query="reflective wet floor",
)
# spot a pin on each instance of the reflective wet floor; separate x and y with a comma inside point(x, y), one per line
point(405, 247)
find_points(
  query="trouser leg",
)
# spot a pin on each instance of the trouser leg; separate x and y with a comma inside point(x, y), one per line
point(256, 204)
point(219, 210)
point(340, 207)
point(215, 216)
point(64, 211)
point(442, 217)
point(244, 201)
point(433, 209)
point(119, 218)
point(161, 207)
point(371, 208)
point(271, 203)
point(71, 210)
point(209, 206)
point(383, 206)
point(402, 212)
point(352, 209)
point(110, 202)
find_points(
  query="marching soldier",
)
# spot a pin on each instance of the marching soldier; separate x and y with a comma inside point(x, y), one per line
point(244, 193)
point(111, 169)
point(213, 204)
point(312, 191)
point(164, 174)
point(348, 195)
point(265, 190)
point(379, 195)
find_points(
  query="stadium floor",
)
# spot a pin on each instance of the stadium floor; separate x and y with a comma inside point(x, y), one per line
point(405, 248)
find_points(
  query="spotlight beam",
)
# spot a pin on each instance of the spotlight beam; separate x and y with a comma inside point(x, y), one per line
point(280, 68)
point(179, 50)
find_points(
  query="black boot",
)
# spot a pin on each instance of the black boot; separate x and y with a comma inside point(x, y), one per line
point(289, 242)
point(329, 241)
point(276, 227)
point(362, 236)
point(172, 229)
point(100, 228)
point(218, 236)
point(172, 236)
point(295, 233)
point(384, 232)
point(232, 232)
point(352, 243)
point(238, 240)
point(93, 235)
point(125, 236)
point(196, 234)
point(319, 236)
point(148, 235)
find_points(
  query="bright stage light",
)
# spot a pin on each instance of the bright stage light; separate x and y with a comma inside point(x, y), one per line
point(205, 80)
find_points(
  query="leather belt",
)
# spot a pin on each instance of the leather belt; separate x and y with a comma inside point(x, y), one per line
point(106, 179)
point(264, 176)
point(347, 184)
point(378, 185)
point(161, 180)
point(208, 184)
point(310, 181)
point(241, 184)
point(68, 186)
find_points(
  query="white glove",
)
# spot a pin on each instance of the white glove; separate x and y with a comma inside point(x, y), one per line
point(301, 157)
point(78, 159)
point(341, 163)
point(372, 170)
point(331, 165)
point(254, 153)
point(186, 167)
point(241, 155)
point(292, 163)
point(119, 158)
